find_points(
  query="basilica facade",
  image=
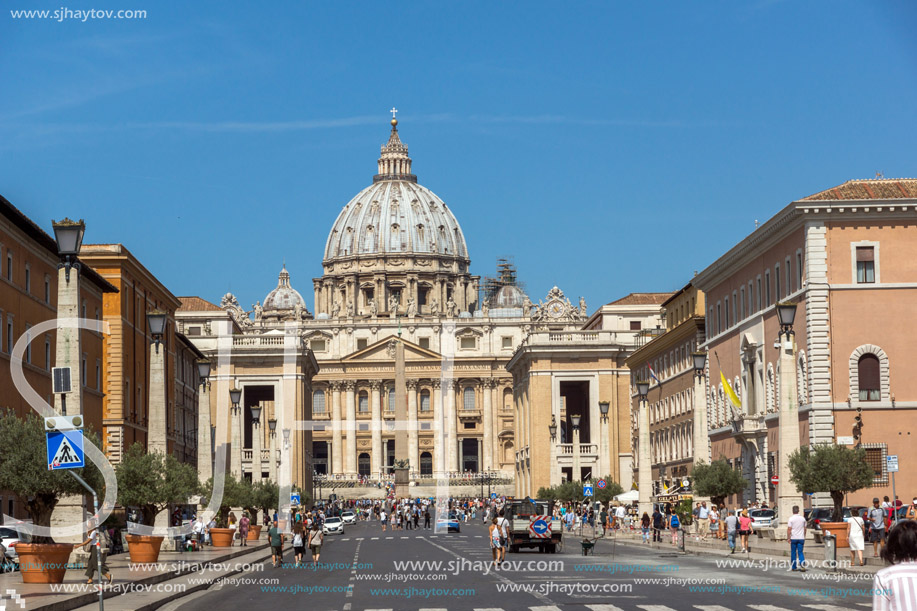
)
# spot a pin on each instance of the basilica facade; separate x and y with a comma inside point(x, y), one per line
point(396, 268)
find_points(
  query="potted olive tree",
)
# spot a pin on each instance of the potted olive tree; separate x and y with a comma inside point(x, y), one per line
point(836, 470)
point(151, 481)
point(717, 480)
point(264, 497)
point(24, 472)
point(235, 494)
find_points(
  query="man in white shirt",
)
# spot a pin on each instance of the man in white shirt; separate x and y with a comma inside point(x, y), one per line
point(703, 520)
point(620, 514)
point(796, 533)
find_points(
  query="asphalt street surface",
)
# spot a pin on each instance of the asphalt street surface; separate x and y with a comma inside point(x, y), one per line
point(362, 569)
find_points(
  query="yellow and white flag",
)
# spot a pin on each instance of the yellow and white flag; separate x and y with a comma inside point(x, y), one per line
point(727, 387)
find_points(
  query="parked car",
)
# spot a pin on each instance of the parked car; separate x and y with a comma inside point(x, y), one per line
point(763, 518)
point(824, 514)
point(333, 525)
point(349, 517)
point(8, 539)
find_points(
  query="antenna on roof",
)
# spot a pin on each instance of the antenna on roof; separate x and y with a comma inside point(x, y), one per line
point(879, 174)
point(756, 223)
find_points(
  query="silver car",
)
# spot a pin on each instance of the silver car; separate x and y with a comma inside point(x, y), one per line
point(349, 517)
point(763, 518)
point(9, 538)
point(333, 525)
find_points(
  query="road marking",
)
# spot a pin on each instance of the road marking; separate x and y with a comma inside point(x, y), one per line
point(829, 607)
point(767, 608)
point(655, 608)
point(428, 609)
point(603, 608)
point(387, 539)
point(712, 608)
point(347, 539)
point(405, 537)
point(374, 539)
point(548, 608)
point(359, 538)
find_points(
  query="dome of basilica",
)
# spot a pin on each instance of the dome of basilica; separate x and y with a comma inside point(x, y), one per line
point(284, 297)
point(395, 215)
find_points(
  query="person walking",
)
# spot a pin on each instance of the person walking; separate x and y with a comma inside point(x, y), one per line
point(234, 526)
point(426, 518)
point(299, 545)
point(856, 535)
point(244, 524)
point(876, 527)
point(895, 586)
point(496, 542)
point(645, 527)
point(796, 533)
point(674, 525)
point(657, 525)
point(745, 529)
point(316, 538)
point(603, 518)
point(911, 513)
point(703, 520)
point(89, 545)
point(382, 519)
point(276, 539)
point(732, 527)
point(714, 518)
point(503, 523)
point(620, 514)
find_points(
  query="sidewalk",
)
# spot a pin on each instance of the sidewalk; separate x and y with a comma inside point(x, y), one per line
point(762, 549)
point(40, 597)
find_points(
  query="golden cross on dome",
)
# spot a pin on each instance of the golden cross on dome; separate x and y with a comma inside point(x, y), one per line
point(394, 111)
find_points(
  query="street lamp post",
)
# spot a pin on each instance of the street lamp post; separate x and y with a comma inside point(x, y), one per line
point(235, 461)
point(577, 470)
point(644, 461)
point(157, 417)
point(204, 456)
point(604, 458)
point(700, 441)
point(787, 493)
point(272, 462)
point(69, 237)
point(256, 443)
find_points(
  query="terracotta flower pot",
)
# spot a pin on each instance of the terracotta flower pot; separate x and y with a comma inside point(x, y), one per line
point(839, 530)
point(254, 532)
point(43, 562)
point(143, 549)
point(222, 537)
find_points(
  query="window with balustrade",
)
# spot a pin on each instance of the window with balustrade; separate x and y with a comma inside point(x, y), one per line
point(318, 402)
point(425, 400)
point(363, 402)
point(468, 398)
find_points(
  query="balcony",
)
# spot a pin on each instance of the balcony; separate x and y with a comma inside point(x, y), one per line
point(470, 414)
point(579, 338)
point(585, 449)
point(247, 455)
point(255, 342)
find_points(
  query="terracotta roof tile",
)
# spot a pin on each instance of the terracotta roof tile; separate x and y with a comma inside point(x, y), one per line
point(196, 304)
point(871, 189)
point(643, 299)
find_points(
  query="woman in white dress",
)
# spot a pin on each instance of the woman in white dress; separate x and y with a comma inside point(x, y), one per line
point(856, 535)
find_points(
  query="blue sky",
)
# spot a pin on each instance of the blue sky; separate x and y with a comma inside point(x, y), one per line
point(609, 147)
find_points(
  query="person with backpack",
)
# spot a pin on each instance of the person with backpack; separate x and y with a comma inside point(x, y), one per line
point(657, 525)
point(503, 525)
point(674, 525)
point(299, 546)
point(96, 559)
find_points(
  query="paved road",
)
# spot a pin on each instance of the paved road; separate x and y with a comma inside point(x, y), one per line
point(363, 575)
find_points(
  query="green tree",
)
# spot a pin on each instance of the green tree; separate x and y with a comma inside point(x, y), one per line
point(152, 481)
point(235, 494)
point(717, 480)
point(24, 469)
point(606, 494)
point(573, 491)
point(264, 497)
point(830, 468)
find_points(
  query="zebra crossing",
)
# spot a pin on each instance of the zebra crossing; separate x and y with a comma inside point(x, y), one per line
point(607, 607)
point(385, 538)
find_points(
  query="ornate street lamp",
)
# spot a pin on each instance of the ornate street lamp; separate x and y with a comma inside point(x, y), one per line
point(203, 370)
point(256, 413)
point(156, 321)
point(603, 409)
point(643, 388)
point(235, 395)
point(786, 314)
point(575, 420)
point(552, 428)
point(69, 237)
point(272, 425)
point(700, 363)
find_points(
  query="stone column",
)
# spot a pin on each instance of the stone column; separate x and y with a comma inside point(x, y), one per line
point(336, 425)
point(272, 462)
point(413, 454)
point(699, 439)
point(256, 450)
point(644, 464)
point(577, 467)
point(204, 452)
point(350, 429)
point(451, 433)
point(487, 420)
point(375, 401)
point(235, 461)
point(156, 429)
point(68, 351)
point(439, 464)
point(787, 493)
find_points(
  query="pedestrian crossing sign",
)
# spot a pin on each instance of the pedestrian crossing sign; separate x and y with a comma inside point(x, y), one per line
point(65, 450)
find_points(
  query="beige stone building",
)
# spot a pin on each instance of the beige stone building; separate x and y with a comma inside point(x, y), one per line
point(847, 256)
point(565, 370)
point(396, 265)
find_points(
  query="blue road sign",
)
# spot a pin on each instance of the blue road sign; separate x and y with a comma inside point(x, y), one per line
point(540, 526)
point(493, 495)
point(65, 450)
point(587, 490)
point(294, 499)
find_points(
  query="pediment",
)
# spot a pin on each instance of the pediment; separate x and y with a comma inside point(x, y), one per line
point(381, 351)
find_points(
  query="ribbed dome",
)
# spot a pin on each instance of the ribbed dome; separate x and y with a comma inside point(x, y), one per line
point(508, 296)
point(284, 297)
point(395, 215)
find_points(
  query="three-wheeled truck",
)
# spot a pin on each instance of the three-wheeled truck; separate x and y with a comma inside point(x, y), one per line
point(525, 527)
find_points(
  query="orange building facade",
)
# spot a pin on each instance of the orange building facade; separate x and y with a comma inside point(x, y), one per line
point(848, 258)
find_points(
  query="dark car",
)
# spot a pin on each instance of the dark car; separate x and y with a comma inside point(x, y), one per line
point(824, 514)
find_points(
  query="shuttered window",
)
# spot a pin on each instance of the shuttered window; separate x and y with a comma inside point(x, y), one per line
point(868, 377)
point(866, 264)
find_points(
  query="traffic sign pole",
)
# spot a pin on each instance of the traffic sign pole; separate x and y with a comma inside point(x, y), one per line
point(891, 466)
point(95, 505)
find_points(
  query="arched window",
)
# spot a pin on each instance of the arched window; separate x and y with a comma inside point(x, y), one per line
point(507, 399)
point(508, 453)
point(318, 402)
point(426, 463)
point(869, 378)
point(363, 402)
point(363, 464)
point(391, 399)
point(425, 400)
point(468, 398)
